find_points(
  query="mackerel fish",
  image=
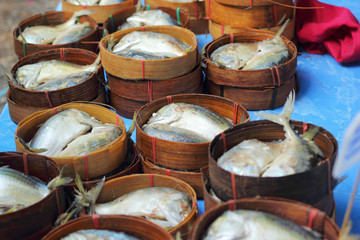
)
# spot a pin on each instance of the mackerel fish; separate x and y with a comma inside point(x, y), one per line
point(163, 206)
point(149, 43)
point(252, 56)
point(94, 2)
point(249, 225)
point(98, 234)
point(61, 131)
point(53, 74)
point(43, 34)
point(280, 158)
point(200, 120)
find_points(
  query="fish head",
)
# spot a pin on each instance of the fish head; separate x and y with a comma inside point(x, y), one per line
point(167, 114)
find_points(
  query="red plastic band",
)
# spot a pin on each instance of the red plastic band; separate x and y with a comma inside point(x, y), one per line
point(143, 68)
point(167, 172)
point(236, 106)
point(251, 3)
point(151, 180)
point(233, 185)
point(153, 139)
point(329, 176)
point(277, 78)
point(231, 37)
point(48, 98)
point(86, 168)
point(275, 14)
point(222, 29)
point(84, 6)
point(224, 141)
point(231, 205)
point(117, 120)
point(208, 11)
point(278, 75)
point(57, 200)
point(305, 127)
point(25, 163)
point(55, 110)
point(194, 204)
point(62, 54)
point(149, 83)
point(143, 28)
point(312, 215)
point(169, 99)
point(95, 219)
point(196, 10)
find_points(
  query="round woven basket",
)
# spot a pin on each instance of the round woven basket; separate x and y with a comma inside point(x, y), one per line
point(101, 13)
point(297, 212)
point(133, 226)
point(95, 164)
point(312, 186)
point(135, 69)
point(251, 3)
point(36, 220)
point(179, 155)
point(54, 18)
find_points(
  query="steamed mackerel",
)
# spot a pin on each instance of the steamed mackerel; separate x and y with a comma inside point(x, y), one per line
point(94, 2)
point(254, 225)
point(98, 234)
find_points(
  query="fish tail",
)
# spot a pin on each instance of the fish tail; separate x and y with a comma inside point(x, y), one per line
point(132, 127)
point(138, 6)
point(308, 136)
point(74, 17)
point(281, 30)
point(59, 180)
point(10, 76)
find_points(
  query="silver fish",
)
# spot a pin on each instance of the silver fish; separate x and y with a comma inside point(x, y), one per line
point(63, 82)
point(72, 34)
point(166, 207)
point(98, 234)
point(150, 42)
point(253, 225)
point(47, 34)
point(252, 56)
point(148, 18)
point(94, 2)
point(191, 117)
point(32, 76)
point(19, 190)
point(139, 55)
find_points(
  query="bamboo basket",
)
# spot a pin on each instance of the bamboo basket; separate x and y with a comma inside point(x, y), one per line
point(297, 212)
point(134, 69)
point(251, 3)
point(95, 164)
point(36, 220)
point(312, 186)
point(119, 186)
point(101, 13)
point(85, 91)
point(134, 226)
point(190, 177)
point(54, 18)
point(131, 165)
point(244, 17)
point(196, 10)
point(189, 156)
point(217, 30)
point(112, 23)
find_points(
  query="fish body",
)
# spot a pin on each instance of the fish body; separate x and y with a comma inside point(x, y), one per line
point(65, 82)
point(139, 55)
point(254, 225)
point(98, 234)
point(163, 206)
point(150, 42)
point(148, 18)
point(72, 34)
point(94, 2)
point(191, 117)
point(19, 190)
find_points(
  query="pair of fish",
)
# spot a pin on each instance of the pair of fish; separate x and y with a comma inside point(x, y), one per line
point(253, 225)
point(274, 159)
point(53, 74)
point(148, 45)
point(66, 32)
point(188, 123)
point(72, 133)
point(98, 234)
point(252, 56)
point(94, 2)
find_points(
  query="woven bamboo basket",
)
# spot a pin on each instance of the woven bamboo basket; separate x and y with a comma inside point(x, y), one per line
point(312, 186)
point(119, 186)
point(131, 165)
point(54, 18)
point(190, 177)
point(251, 3)
point(85, 91)
point(189, 156)
point(34, 221)
point(133, 226)
point(301, 214)
point(196, 10)
point(244, 17)
point(217, 30)
point(134, 69)
point(101, 13)
point(112, 23)
point(95, 164)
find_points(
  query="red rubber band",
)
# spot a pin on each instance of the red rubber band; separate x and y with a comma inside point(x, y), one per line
point(62, 54)
point(233, 185)
point(55, 110)
point(278, 75)
point(196, 10)
point(305, 127)
point(143, 68)
point(231, 37)
point(25, 163)
point(149, 83)
point(48, 98)
point(222, 29)
point(167, 172)
point(224, 140)
point(86, 168)
point(275, 14)
point(57, 200)
point(169, 99)
point(143, 28)
point(208, 11)
point(153, 140)
point(151, 180)
point(251, 3)
point(84, 7)
point(236, 106)
point(194, 204)
point(231, 205)
point(312, 215)
point(117, 120)
point(95, 219)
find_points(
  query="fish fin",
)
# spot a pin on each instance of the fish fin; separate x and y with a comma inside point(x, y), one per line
point(138, 7)
point(281, 30)
point(132, 126)
point(59, 180)
point(27, 146)
point(94, 194)
point(10, 76)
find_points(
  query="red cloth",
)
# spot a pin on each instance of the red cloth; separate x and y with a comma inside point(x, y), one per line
point(331, 29)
